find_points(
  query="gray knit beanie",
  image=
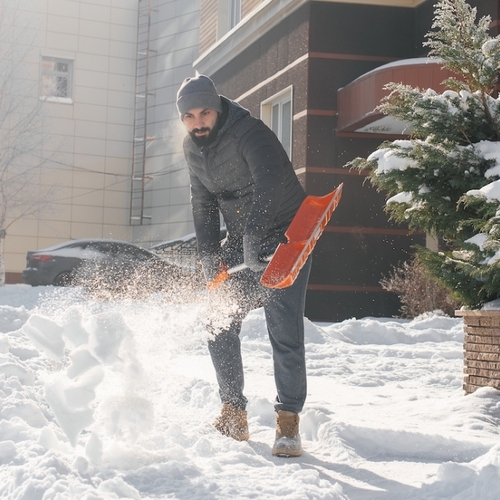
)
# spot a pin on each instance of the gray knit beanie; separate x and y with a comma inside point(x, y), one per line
point(198, 92)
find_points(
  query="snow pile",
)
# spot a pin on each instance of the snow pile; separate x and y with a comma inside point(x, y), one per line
point(115, 399)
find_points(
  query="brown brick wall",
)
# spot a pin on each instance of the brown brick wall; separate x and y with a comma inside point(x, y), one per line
point(247, 6)
point(208, 24)
point(481, 349)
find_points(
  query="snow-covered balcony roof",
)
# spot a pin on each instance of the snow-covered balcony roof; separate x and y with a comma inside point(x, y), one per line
point(357, 102)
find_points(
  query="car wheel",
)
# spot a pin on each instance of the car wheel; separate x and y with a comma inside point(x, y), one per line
point(63, 279)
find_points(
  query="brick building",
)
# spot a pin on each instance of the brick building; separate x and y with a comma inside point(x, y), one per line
point(315, 71)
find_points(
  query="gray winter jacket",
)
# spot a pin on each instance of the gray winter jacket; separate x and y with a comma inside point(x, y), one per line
point(246, 174)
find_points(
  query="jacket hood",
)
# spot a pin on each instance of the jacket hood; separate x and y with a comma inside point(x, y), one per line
point(235, 112)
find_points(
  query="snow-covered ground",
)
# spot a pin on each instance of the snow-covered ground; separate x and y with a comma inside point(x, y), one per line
point(106, 400)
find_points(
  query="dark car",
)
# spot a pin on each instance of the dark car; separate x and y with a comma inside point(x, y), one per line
point(99, 264)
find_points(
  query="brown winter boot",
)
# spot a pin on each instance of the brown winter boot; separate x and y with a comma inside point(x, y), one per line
point(232, 422)
point(288, 442)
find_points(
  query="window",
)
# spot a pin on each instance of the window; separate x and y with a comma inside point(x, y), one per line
point(277, 114)
point(56, 84)
point(234, 11)
point(228, 16)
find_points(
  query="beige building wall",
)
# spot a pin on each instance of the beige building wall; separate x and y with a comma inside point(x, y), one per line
point(89, 137)
point(174, 48)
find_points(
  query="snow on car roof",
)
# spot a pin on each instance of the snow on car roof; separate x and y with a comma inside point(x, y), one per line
point(81, 241)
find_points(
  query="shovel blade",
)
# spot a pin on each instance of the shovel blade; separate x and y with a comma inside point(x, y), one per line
point(302, 234)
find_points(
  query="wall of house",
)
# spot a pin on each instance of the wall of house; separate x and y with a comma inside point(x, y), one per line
point(319, 48)
point(211, 29)
point(247, 77)
point(208, 24)
point(360, 241)
point(174, 47)
point(360, 245)
point(247, 6)
point(87, 139)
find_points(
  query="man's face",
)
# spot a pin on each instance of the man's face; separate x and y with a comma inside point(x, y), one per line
point(200, 124)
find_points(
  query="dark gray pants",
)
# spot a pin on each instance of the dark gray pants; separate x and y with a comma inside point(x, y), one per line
point(284, 312)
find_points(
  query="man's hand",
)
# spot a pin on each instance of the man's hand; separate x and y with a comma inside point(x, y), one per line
point(211, 265)
point(251, 252)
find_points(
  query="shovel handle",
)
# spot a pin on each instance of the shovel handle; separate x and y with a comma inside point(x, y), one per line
point(227, 271)
point(218, 280)
point(224, 275)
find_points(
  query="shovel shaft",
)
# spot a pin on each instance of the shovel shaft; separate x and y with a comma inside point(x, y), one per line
point(224, 275)
point(228, 271)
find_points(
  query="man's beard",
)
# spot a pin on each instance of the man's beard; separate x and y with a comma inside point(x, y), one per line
point(204, 140)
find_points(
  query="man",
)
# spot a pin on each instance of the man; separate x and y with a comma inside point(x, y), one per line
point(238, 168)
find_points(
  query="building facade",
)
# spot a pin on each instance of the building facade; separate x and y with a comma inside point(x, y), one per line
point(320, 66)
point(79, 60)
point(102, 75)
point(160, 208)
point(107, 73)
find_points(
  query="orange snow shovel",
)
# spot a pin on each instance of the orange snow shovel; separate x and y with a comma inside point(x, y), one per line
point(302, 234)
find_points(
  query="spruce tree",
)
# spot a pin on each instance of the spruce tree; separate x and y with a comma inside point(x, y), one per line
point(443, 179)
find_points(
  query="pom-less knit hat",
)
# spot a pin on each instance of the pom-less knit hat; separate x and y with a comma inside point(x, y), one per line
point(198, 92)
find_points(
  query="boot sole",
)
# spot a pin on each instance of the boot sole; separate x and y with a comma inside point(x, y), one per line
point(286, 454)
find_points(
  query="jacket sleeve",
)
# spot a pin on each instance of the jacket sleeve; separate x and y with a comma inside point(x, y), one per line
point(205, 217)
point(266, 159)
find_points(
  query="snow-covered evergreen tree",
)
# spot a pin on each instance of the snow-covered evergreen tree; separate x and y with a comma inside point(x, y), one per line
point(445, 179)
